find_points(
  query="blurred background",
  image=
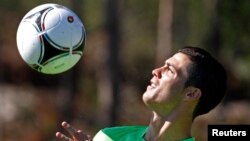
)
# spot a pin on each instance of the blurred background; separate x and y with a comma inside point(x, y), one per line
point(126, 39)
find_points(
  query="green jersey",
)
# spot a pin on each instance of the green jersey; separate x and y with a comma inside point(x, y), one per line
point(124, 133)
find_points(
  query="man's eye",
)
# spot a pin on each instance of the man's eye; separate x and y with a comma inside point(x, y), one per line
point(171, 69)
point(167, 71)
point(170, 72)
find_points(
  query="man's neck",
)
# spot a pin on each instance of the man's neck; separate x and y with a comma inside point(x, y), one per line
point(173, 127)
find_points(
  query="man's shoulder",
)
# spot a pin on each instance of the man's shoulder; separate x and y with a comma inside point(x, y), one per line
point(123, 133)
point(189, 139)
point(124, 128)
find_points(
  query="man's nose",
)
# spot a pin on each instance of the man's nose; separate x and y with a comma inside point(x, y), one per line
point(157, 72)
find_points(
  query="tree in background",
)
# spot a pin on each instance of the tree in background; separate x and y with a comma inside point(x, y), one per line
point(110, 75)
point(165, 19)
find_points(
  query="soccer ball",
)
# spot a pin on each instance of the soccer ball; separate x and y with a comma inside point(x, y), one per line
point(51, 38)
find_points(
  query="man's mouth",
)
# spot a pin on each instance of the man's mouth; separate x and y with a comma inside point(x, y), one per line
point(152, 85)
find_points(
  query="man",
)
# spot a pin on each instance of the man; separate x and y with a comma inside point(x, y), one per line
point(189, 84)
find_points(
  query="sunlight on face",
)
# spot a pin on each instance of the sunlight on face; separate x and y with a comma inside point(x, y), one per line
point(167, 83)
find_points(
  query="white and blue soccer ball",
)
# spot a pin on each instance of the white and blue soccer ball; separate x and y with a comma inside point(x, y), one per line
point(51, 38)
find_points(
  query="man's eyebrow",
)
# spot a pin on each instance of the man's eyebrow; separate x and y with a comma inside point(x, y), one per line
point(170, 64)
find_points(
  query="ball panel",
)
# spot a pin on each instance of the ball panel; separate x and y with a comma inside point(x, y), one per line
point(29, 43)
point(78, 36)
point(69, 29)
point(60, 63)
point(60, 36)
point(36, 10)
point(50, 50)
point(50, 19)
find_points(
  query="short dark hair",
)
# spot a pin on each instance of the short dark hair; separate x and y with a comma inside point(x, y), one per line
point(207, 74)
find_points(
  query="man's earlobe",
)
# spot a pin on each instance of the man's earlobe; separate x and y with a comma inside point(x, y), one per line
point(193, 94)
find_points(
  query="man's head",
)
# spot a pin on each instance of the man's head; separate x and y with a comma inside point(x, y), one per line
point(207, 74)
point(165, 91)
point(191, 71)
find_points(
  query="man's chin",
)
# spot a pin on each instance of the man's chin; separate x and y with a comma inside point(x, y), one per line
point(148, 97)
point(148, 102)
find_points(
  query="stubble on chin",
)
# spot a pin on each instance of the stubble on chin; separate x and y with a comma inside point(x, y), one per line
point(148, 97)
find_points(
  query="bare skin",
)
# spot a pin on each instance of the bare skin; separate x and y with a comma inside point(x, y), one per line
point(76, 135)
point(171, 103)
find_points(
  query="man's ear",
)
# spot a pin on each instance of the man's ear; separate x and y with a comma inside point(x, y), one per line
point(192, 93)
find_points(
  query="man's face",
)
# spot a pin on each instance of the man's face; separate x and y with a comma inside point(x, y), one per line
point(167, 84)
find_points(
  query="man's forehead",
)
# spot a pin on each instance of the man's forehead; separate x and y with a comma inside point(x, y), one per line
point(181, 62)
point(178, 59)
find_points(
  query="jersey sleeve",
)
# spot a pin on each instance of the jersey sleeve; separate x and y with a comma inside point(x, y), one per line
point(122, 133)
point(101, 136)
